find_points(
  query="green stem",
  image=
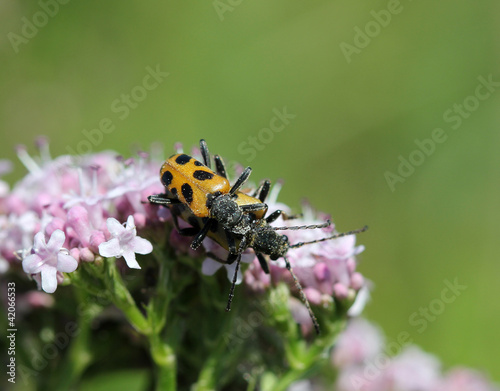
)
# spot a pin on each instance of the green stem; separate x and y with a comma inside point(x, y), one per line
point(166, 364)
point(252, 383)
point(312, 360)
point(304, 359)
point(221, 357)
point(289, 378)
point(79, 355)
point(162, 353)
point(121, 297)
point(206, 379)
point(149, 325)
point(158, 306)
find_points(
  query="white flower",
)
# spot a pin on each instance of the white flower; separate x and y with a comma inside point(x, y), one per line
point(49, 259)
point(124, 242)
point(210, 266)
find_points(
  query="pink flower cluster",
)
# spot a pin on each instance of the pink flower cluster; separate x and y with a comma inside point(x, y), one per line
point(364, 365)
point(326, 270)
point(68, 210)
point(71, 209)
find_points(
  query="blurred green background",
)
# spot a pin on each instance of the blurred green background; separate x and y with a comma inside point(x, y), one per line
point(232, 64)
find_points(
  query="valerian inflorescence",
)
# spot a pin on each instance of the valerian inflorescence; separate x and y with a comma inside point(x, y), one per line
point(85, 221)
point(93, 206)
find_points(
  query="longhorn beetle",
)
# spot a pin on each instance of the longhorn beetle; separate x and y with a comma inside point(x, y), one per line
point(233, 219)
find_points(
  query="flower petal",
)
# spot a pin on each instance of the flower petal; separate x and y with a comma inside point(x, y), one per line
point(210, 266)
point(359, 304)
point(299, 312)
point(32, 264)
point(56, 241)
point(248, 258)
point(141, 245)
point(110, 248)
point(49, 279)
point(114, 227)
point(230, 273)
point(130, 223)
point(39, 242)
point(66, 263)
point(4, 265)
point(129, 256)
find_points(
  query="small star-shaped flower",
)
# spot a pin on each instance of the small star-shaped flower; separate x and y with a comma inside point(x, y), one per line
point(124, 242)
point(49, 259)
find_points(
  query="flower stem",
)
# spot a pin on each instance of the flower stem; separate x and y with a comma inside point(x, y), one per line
point(166, 363)
point(222, 356)
point(121, 297)
point(162, 353)
point(290, 377)
point(79, 355)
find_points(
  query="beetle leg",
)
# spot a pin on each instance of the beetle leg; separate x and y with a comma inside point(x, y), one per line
point(241, 180)
point(274, 216)
point(263, 190)
point(201, 234)
point(220, 167)
point(205, 154)
point(263, 263)
point(162, 199)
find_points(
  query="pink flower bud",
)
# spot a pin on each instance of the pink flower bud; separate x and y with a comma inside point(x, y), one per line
point(314, 296)
point(96, 238)
point(357, 281)
point(340, 291)
point(86, 255)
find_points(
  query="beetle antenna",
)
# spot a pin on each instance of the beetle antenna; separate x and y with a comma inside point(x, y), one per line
point(233, 284)
point(303, 296)
point(356, 231)
point(297, 227)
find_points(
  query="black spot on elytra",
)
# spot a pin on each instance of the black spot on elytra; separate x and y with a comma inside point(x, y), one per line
point(187, 192)
point(202, 175)
point(182, 159)
point(166, 178)
point(173, 190)
point(197, 163)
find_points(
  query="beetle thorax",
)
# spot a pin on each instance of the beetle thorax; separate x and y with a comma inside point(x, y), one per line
point(268, 241)
point(225, 210)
